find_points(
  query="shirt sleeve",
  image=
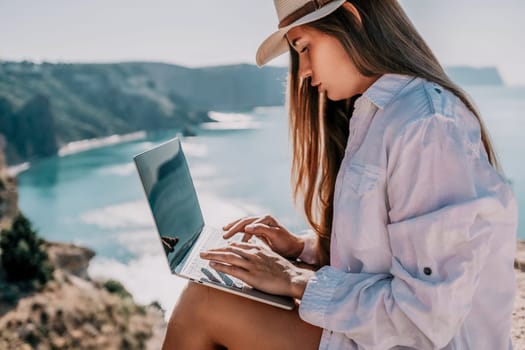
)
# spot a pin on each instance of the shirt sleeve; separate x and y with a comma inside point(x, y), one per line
point(444, 200)
point(309, 252)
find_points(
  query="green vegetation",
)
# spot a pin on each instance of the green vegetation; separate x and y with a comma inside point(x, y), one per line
point(23, 256)
point(156, 305)
point(128, 306)
point(115, 287)
point(43, 106)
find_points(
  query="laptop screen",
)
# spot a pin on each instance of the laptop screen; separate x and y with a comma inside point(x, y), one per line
point(172, 198)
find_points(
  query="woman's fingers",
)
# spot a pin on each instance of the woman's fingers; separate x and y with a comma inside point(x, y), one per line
point(240, 224)
point(246, 237)
point(227, 257)
point(267, 220)
point(235, 271)
point(239, 248)
point(260, 229)
point(256, 265)
point(265, 240)
point(245, 246)
point(227, 227)
point(234, 261)
point(237, 227)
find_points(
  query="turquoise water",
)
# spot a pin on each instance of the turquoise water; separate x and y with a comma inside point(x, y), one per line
point(92, 196)
point(240, 166)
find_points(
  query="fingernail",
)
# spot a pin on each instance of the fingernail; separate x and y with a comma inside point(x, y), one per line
point(250, 227)
point(212, 263)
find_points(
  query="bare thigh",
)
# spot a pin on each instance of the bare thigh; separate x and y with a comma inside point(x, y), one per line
point(215, 319)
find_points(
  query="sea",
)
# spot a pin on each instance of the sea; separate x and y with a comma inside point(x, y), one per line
point(90, 193)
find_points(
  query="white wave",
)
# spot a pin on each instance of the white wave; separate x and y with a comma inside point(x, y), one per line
point(231, 121)
point(218, 213)
point(266, 109)
point(146, 145)
point(236, 125)
point(84, 145)
point(251, 208)
point(141, 242)
point(126, 215)
point(17, 169)
point(229, 117)
point(147, 278)
point(120, 170)
point(194, 148)
point(203, 171)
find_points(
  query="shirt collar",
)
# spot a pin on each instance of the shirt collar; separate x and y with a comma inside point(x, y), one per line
point(384, 89)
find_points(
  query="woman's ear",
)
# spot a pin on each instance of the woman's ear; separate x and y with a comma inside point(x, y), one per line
point(350, 7)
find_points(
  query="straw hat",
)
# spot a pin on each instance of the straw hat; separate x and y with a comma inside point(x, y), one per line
point(292, 13)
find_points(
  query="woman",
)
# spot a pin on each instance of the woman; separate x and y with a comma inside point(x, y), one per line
point(414, 226)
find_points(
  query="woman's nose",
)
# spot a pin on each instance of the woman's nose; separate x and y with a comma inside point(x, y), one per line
point(305, 70)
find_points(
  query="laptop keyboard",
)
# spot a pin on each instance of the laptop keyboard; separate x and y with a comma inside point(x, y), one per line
point(200, 267)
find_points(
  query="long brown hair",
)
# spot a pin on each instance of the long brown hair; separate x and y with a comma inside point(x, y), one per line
point(384, 41)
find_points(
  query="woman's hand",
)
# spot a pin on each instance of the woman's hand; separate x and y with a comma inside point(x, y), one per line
point(267, 229)
point(260, 267)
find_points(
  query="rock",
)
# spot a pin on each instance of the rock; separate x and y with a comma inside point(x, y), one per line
point(3, 165)
point(71, 311)
point(78, 317)
point(8, 192)
point(70, 258)
point(58, 343)
point(465, 76)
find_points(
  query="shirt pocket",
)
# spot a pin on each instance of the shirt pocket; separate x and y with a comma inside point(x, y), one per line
point(362, 178)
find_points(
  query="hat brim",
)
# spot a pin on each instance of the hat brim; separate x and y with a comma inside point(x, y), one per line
point(276, 44)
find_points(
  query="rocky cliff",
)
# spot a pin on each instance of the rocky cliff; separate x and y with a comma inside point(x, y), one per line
point(469, 76)
point(44, 106)
point(71, 311)
point(8, 193)
point(74, 312)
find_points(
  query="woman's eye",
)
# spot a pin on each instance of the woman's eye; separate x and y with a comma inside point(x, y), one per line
point(304, 49)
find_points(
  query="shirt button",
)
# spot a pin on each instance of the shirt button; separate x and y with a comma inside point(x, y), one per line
point(427, 271)
point(437, 90)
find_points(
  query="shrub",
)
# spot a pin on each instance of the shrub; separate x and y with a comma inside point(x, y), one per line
point(115, 287)
point(23, 257)
point(155, 304)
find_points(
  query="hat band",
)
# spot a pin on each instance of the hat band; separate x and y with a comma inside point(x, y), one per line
point(306, 9)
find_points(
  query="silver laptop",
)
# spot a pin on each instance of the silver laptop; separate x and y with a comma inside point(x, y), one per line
point(169, 189)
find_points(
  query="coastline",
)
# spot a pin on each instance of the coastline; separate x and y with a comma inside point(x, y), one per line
point(89, 144)
point(79, 146)
point(219, 120)
point(18, 168)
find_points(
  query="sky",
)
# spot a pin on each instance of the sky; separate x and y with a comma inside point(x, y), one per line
point(198, 33)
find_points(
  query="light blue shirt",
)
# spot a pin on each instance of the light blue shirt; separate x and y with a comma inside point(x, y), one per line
point(424, 230)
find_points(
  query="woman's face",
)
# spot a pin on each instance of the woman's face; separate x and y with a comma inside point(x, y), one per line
point(325, 61)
